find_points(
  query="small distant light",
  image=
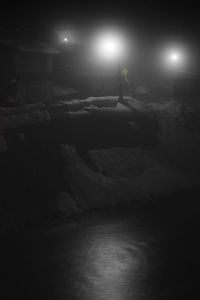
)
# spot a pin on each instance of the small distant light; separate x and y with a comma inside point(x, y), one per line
point(65, 39)
point(174, 58)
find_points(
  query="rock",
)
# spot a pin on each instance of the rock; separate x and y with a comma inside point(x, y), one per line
point(40, 116)
point(136, 105)
point(5, 123)
point(3, 144)
point(66, 204)
point(134, 125)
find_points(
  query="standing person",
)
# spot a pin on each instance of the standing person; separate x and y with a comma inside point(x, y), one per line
point(126, 83)
point(119, 82)
point(123, 84)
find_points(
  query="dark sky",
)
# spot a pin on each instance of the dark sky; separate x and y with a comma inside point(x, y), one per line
point(150, 18)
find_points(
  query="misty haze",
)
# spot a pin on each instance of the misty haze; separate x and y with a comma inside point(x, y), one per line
point(100, 151)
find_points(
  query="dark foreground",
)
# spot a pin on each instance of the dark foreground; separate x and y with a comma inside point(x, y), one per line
point(114, 253)
point(150, 253)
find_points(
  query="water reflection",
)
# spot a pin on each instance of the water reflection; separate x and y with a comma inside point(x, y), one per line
point(111, 264)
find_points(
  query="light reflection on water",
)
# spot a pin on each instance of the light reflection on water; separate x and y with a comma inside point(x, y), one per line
point(111, 265)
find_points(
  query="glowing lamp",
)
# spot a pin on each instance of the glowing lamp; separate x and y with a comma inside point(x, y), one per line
point(174, 57)
point(109, 46)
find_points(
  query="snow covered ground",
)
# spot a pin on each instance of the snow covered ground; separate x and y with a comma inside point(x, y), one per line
point(135, 174)
point(121, 175)
point(39, 112)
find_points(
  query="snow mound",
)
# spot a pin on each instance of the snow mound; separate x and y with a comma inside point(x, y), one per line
point(76, 114)
point(120, 108)
point(108, 101)
point(92, 189)
point(66, 204)
point(170, 107)
point(136, 105)
point(121, 162)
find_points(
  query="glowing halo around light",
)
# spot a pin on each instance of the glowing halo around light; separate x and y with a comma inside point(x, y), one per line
point(174, 57)
point(109, 46)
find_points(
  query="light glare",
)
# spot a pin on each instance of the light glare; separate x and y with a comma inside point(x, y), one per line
point(109, 46)
point(174, 57)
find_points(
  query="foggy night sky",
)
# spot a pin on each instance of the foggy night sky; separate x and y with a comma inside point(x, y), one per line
point(150, 18)
point(150, 24)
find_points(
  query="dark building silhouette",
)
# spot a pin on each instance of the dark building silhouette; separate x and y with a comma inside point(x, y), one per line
point(26, 71)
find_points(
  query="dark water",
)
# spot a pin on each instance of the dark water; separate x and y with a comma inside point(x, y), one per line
point(120, 256)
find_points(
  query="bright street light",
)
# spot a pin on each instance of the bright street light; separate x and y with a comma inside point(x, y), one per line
point(174, 57)
point(109, 46)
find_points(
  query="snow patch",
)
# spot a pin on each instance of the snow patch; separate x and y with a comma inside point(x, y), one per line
point(149, 178)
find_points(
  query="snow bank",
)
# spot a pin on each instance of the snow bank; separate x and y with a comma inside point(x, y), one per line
point(73, 105)
point(119, 109)
point(108, 101)
point(121, 162)
point(92, 189)
point(77, 114)
point(38, 112)
point(136, 105)
point(65, 204)
point(95, 105)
